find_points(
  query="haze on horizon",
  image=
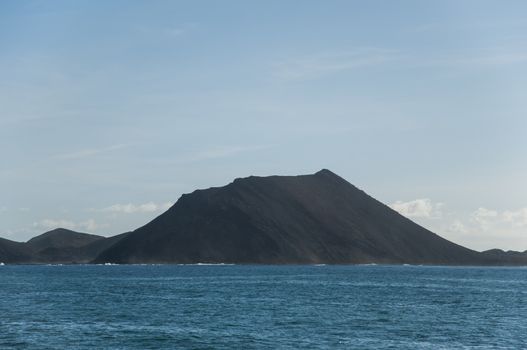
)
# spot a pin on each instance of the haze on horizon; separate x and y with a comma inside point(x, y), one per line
point(110, 110)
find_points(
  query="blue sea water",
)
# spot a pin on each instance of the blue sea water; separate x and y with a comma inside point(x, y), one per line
point(262, 307)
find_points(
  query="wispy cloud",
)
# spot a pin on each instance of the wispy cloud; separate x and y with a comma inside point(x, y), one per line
point(479, 26)
point(418, 208)
point(219, 152)
point(4, 209)
point(169, 32)
point(331, 63)
point(226, 151)
point(174, 32)
point(19, 119)
point(50, 224)
point(130, 208)
point(322, 64)
point(89, 152)
point(487, 57)
point(504, 58)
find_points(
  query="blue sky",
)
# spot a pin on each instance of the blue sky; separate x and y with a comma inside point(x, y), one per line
point(110, 110)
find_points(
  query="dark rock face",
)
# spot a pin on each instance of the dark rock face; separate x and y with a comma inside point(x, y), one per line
point(319, 218)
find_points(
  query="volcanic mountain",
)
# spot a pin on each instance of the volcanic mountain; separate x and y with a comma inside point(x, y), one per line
point(318, 218)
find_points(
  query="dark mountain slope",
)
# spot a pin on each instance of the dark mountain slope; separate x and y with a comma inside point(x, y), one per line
point(14, 252)
point(89, 252)
point(319, 218)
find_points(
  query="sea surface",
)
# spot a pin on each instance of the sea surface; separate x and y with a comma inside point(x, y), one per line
point(262, 307)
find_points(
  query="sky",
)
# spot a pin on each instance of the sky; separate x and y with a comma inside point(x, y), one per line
point(110, 110)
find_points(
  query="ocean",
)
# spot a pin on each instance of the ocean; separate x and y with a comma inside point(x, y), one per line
point(262, 307)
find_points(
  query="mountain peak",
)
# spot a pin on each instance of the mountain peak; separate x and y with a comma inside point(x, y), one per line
point(58, 230)
point(326, 172)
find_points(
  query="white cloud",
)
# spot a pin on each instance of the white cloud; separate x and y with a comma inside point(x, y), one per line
point(486, 228)
point(50, 224)
point(488, 219)
point(517, 218)
point(458, 227)
point(318, 65)
point(130, 208)
point(484, 217)
point(418, 208)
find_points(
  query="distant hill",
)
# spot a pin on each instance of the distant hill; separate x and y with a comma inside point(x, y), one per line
point(319, 218)
point(61, 238)
point(500, 257)
point(57, 246)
